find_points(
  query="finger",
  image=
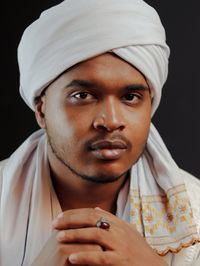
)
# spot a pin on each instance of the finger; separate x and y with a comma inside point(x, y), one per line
point(67, 249)
point(81, 218)
point(93, 258)
point(72, 248)
point(99, 236)
point(78, 218)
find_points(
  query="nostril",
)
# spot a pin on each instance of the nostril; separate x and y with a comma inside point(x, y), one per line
point(99, 122)
point(103, 124)
point(121, 127)
point(103, 128)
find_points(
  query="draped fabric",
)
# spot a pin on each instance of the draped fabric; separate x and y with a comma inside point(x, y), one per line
point(154, 199)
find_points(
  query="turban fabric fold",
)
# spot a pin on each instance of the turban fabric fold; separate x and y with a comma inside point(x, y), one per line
point(74, 31)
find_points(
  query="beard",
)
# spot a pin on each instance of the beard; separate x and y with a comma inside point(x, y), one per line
point(95, 179)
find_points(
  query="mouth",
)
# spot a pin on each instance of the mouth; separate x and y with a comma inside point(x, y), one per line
point(108, 149)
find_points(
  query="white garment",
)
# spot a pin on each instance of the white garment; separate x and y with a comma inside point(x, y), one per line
point(197, 262)
point(28, 203)
point(189, 256)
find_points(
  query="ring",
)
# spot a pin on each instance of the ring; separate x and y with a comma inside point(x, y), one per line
point(103, 223)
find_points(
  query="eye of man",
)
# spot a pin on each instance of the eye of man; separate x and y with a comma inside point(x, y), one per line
point(131, 97)
point(81, 97)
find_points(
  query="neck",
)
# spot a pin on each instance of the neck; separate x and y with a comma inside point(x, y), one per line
point(73, 192)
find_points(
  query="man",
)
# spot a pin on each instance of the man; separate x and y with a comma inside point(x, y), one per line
point(96, 185)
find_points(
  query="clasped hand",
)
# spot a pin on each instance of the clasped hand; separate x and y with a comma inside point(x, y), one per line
point(76, 240)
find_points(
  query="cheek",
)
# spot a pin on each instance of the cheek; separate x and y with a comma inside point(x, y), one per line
point(77, 121)
point(70, 126)
point(139, 127)
point(58, 125)
point(144, 121)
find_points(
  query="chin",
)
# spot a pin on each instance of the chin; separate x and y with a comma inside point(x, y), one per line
point(102, 178)
point(102, 175)
point(110, 168)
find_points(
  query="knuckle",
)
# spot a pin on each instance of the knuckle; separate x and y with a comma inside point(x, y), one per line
point(92, 216)
point(93, 247)
point(97, 214)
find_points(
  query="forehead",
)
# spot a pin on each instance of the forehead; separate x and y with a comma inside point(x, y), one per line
point(106, 70)
point(106, 65)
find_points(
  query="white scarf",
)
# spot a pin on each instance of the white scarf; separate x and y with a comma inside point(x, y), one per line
point(154, 199)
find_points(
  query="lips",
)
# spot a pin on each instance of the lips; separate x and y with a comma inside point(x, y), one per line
point(108, 149)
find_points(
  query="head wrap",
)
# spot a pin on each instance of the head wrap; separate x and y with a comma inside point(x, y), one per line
point(83, 29)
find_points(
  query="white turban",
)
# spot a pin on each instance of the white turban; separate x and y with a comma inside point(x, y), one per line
point(74, 31)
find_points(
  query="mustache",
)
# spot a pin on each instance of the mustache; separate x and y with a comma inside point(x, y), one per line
point(110, 141)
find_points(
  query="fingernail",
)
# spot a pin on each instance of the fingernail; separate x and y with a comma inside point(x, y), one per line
point(55, 222)
point(73, 258)
point(61, 235)
point(97, 208)
point(60, 215)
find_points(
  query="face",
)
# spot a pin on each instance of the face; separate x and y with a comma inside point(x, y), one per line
point(97, 117)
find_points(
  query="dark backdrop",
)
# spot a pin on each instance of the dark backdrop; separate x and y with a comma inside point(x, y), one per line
point(177, 118)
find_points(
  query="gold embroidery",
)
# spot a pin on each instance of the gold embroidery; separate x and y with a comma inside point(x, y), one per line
point(161, 218)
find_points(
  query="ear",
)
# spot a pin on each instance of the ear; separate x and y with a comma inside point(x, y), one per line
point(40, 110)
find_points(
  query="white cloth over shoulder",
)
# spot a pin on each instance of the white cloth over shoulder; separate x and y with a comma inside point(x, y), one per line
point(155, 200)
point(74, 31)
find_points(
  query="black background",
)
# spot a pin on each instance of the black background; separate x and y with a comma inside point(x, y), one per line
point(177, 118)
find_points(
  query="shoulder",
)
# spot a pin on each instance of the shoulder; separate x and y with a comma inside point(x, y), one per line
point(190, 180)
point(188, 256)
point(2, 164)
point(193, 189)
point(192, 184)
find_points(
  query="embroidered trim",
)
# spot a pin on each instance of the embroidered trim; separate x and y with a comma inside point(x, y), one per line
point(179, 248)
point(162, 219)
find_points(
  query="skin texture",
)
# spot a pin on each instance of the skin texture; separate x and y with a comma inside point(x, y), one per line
point(97, 117)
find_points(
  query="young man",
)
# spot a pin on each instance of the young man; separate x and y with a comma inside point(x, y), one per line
point(96, 185)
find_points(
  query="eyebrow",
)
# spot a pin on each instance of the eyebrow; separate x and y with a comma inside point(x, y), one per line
point(89, 84)
point(83, 83)
point(140, 87)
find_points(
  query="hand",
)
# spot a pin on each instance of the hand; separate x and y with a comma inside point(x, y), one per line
point(55, 253)
point(121, 244)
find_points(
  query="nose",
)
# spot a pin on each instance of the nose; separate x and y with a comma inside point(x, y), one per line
point(109, 116)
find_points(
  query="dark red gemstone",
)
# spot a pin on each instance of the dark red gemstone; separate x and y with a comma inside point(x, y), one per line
point(104, 225)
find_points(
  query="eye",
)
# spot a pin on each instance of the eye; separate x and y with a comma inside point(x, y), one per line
point(82, 96)
point(131, 97)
